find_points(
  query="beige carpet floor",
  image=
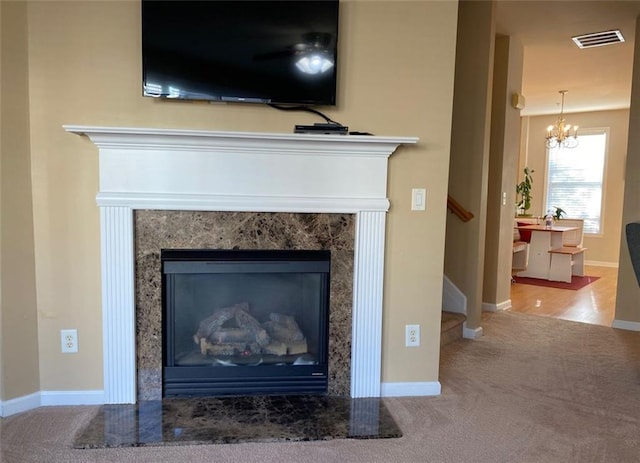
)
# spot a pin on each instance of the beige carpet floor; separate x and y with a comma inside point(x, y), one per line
point(532, 389)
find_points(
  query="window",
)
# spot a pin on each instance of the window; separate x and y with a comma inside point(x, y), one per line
point(575, 179)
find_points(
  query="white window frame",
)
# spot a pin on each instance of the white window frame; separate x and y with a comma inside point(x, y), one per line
point(586, 131)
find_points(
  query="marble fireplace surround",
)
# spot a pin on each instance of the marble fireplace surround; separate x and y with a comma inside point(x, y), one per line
point(189, 170)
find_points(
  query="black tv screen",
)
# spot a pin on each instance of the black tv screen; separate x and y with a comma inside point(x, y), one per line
point(265, 51)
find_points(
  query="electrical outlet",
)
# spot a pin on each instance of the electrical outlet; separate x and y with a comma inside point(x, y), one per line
point(412, 335)
point(69, 341)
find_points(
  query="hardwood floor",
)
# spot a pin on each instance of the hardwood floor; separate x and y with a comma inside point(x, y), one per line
point(595, 303)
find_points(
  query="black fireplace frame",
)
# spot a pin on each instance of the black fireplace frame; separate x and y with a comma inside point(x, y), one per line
point(180, 381)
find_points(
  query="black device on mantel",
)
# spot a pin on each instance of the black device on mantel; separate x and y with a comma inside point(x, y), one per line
point(324, 129)
point(250, 51)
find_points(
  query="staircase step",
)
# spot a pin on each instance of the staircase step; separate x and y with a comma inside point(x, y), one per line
point(451, 327)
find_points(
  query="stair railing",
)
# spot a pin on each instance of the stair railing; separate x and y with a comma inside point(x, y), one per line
point(460, 212)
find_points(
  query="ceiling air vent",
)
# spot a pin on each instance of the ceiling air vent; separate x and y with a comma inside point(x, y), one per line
point(598, 39)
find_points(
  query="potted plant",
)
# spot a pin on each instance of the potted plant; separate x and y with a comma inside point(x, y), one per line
point(523, 192)
point(553, 214)
point(558, 212)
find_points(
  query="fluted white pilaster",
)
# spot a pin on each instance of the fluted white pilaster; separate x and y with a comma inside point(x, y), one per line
point(366, 342)
point(118, 305)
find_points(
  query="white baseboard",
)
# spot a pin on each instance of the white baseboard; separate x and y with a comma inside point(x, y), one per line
point(596, 263)
point(415, 389)
point(19, 404)
point(49, 399)
point(625, 325)
point(469, 333)
point(490, 307)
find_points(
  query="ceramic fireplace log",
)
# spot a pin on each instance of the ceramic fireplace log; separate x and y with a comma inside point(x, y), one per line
point(283, 333)
point(249, 323)
point(230, 335)
point(275, 348)
point(286, 348)
point(229, 349)
point(215, 321)
point(285, 320)
point(297, 347)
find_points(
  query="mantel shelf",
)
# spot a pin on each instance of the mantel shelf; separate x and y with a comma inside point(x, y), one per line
point(112, 137)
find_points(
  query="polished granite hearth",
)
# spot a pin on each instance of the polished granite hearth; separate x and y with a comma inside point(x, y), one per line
point(227, 420)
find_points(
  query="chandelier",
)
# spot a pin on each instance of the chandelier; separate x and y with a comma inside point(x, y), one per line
point(562, 135)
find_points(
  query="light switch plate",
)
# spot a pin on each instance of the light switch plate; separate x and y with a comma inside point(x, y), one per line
point(418, 199)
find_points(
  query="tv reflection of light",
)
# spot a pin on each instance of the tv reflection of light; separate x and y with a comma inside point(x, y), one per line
point(151, 89)
point(314, 64)
point(157, 90)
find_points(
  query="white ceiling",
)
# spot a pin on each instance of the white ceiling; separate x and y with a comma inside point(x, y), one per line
point(597, 78)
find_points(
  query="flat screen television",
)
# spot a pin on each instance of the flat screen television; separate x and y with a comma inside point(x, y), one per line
point(264, 51)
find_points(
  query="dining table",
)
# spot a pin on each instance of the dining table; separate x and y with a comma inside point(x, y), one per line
point(543, 240)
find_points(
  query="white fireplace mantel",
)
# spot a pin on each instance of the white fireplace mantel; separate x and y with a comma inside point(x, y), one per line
point(238, 171)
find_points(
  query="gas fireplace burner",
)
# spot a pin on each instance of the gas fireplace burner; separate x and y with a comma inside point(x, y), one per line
point(241, 322)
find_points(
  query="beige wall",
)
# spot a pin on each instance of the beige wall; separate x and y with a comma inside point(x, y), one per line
point(465, 241)
point(604, 248)
point(628, 295)
point(503, 162)
point(396, 68)
point(417, 95)
point(19, 373)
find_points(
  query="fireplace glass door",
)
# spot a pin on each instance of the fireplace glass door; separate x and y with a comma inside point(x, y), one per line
point(241, 322)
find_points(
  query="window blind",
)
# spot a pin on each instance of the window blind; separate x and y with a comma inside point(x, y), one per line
point(575, 179)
